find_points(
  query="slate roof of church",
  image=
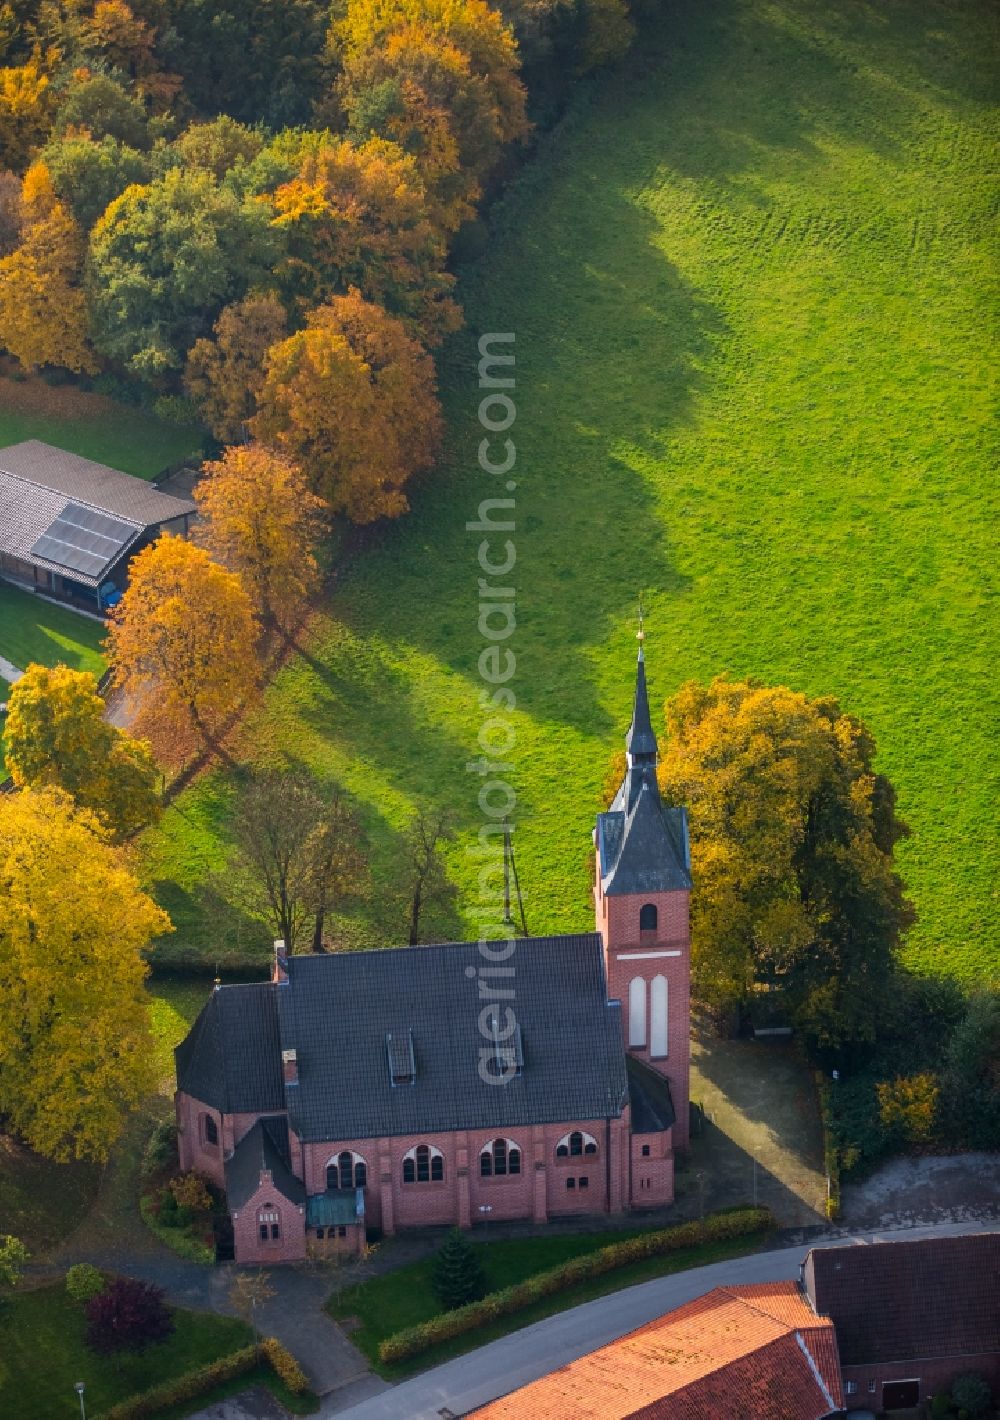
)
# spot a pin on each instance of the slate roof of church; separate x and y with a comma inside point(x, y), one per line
point(336, 1012)
point(258, 1150)
point(900, 1301)
point(230, 1059)
point(649, 1095)
point(641, 842)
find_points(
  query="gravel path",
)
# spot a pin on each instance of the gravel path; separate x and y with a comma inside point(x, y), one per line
point(907, 1192)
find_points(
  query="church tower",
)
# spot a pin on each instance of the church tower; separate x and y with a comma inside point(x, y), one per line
point(642, 893)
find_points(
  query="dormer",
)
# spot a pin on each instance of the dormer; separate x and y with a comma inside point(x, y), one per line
point(400, 1057)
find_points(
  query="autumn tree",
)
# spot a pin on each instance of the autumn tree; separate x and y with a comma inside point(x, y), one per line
point(56, 734)
point(43, 318)
point(216, 146)
point(259, 519)
point(356, 216)
point(352, 399)
point(11, 213)
point(297, 854)
point(224, 375)
point(183, 637)
point(908, 1106)
point(469, 26)
point(792, 838)
point(24, 110)
point(165, 259)
point(75, 1047)
point(13, 1256)
point(128, 1315)
point(425, 880)
point(250, 1291)
point(125, 41)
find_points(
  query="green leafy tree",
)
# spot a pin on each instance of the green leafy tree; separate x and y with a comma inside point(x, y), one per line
point(98, 105)
point(457, 1276)
point(13, 1256)
point(164, 260)
point(83, 1281)
point(215, 147)
point(89, 174)
point(56, 734)
point(792, 839)
point(970, 1083)
point(972, 1394)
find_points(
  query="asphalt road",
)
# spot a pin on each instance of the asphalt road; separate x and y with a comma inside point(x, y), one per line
point(502, 1366)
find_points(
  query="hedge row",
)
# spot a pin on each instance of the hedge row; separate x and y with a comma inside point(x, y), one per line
point(177, 1240)
point(831, 1150)
point(403, 1345)
point(197, 1382)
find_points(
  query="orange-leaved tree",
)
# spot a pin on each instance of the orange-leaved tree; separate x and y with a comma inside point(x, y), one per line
point(223, 376)
point(357, 216)
point(43, 319)
point(418, 88)
point(75, 1046)
point(352, 398)
point(259, 518)
point(182, 641)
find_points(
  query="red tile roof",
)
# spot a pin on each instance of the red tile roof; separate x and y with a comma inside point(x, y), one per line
point(736, 1352)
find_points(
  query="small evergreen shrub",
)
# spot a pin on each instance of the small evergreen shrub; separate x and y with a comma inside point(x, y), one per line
point(458, 1277)
point(84, 1281)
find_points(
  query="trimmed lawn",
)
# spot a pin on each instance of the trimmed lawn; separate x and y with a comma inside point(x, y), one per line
point(174, 1003)
point(35, 630)
point(751, 280)
point(42, 1202)
point(42, 1354)
point(96, 428)
point(403, 1298)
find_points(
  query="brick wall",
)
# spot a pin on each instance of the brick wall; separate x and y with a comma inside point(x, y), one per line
point(933, 1375)
point(289, 1246)
point(631, 952)
point(652, 1184)
point(193, 1149)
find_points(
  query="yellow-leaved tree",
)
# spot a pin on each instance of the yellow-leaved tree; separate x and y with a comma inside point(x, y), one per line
point(56, 734)
point(352, 399)
point(259, 518)
point(792, 836)
point(43, 317)
point(24, 108)
point(182, 642)
point(75, 1045)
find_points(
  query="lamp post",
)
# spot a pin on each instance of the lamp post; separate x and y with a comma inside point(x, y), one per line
point(485, 1209)
point(79, 1388)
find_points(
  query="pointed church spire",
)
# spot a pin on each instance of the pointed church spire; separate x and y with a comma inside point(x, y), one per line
point(640, 740)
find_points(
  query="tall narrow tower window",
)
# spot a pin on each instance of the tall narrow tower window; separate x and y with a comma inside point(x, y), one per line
point(658, 1016)
point(647, 917)
point(637, 1011)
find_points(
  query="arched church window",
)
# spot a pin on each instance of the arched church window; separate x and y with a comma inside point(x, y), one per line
point(423, 1164)
point(346, 1170)
point(647, 917)
point(498, 1158)
point(574, 1144)
point(637, 1011)
point(658, 1016)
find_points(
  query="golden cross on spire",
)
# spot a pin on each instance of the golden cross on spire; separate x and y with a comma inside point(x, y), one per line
point(640, 635)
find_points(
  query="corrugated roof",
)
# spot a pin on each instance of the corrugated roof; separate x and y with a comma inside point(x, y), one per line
point(734, 1353)
point(231, 1057)
point(335, 1012)
point(899, 1301)
point(324, 1210)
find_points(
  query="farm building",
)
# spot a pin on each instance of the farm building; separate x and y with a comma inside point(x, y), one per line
point(69, 526)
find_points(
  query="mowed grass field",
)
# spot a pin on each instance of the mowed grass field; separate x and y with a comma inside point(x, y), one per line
point(33, 629)
point(752, 283)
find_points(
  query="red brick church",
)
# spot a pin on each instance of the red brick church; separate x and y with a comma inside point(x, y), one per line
point(348, 1092)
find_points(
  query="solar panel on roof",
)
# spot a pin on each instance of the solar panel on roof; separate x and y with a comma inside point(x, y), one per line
point(84, 540)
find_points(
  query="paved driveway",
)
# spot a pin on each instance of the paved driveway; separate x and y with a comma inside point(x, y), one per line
point(502, 1366)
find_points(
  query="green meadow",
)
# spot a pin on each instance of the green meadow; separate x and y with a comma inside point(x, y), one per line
point(752, 283)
